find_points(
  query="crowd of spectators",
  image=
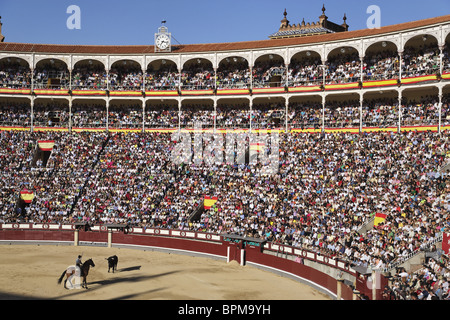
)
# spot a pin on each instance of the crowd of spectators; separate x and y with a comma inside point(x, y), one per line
point(343, 68)
point(15, 114)
point(197, 77)
point(342, 114)
point(125, 116)
point(233, 73)
point(165, 79)
point(54, 181)
point(88, 116)
point(380, 113)
point(306, 115)
point(124, 77)
point(429, 282)
point(326, 188)
point(383, 112)
point(233, 116)
point(420, 61)
point(89, 78)
point(15, 75)
point(51, 76)
point(268, 74)
point(446, 59)
point(308, 72)
point(381, 66)
point(162, 116)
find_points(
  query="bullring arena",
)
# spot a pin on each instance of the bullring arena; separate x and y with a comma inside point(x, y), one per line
point(30, 272)
point(295, 168)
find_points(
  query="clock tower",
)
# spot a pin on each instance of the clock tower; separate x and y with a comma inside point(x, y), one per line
point(163, 39)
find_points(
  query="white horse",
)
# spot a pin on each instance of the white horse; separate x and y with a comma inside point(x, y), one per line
point(75, 273)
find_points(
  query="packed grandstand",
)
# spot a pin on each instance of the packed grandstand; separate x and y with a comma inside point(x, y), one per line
point(363, 140)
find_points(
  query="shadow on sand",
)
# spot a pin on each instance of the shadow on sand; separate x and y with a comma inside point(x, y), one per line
point(94, 285)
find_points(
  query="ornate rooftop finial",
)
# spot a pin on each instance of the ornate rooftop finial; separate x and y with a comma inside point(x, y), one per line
point(345, 25)
point(302, 29)
point(323, 18)
point(285, 21)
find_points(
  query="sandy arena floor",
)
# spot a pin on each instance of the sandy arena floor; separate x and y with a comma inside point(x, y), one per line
point(32, 271)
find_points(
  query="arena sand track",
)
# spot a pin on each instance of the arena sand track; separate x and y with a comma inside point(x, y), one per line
point(32, 271)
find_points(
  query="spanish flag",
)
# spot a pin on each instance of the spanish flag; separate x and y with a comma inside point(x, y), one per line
point(379, 218)
point(232, 91)
point(268, 90)
point(26, 196)
point(209, 202)
point(413, 80)
point(46, 145)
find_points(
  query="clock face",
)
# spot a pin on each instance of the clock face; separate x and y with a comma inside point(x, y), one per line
point(162, 41)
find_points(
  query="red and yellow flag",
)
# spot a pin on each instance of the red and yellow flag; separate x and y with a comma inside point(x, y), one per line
point(46, 145)
point(379, 218)
point(26, 196)
point(209, 202)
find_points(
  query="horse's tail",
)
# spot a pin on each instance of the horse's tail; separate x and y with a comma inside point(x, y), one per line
point(62, 276)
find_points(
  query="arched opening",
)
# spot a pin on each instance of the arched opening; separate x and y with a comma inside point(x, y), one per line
point(89, 113)
point(233, 72)
point(233, 113)
point(15, 73)
point(49, 112)
point(125, 75)
point(198, 113)
point(445, 111)
point(380, 109)
point(421, 56)
point(89, 75)
point(305, 112)
point(381, 62)
point(51, 74)
point(15, 112)
point(162, 75)
point(305, 69)
point(344, 66)
point(197, 74)
point(268, 113)
point(125, 114)
point(342, 111)
point(420, 107)
point(269, 71)
point(161, 114)
point(446, 56)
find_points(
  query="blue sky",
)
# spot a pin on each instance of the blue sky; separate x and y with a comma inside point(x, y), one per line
point(133, 22)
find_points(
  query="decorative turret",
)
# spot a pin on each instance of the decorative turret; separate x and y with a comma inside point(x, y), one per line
point(308, 28)
point(285, 21)
point(323, 17)
point(345, 25)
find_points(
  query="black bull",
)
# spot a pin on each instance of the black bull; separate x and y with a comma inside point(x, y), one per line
point(112, 263)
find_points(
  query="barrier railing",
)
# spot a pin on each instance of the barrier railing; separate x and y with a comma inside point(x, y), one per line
point(407, 257)
point(189, 234)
